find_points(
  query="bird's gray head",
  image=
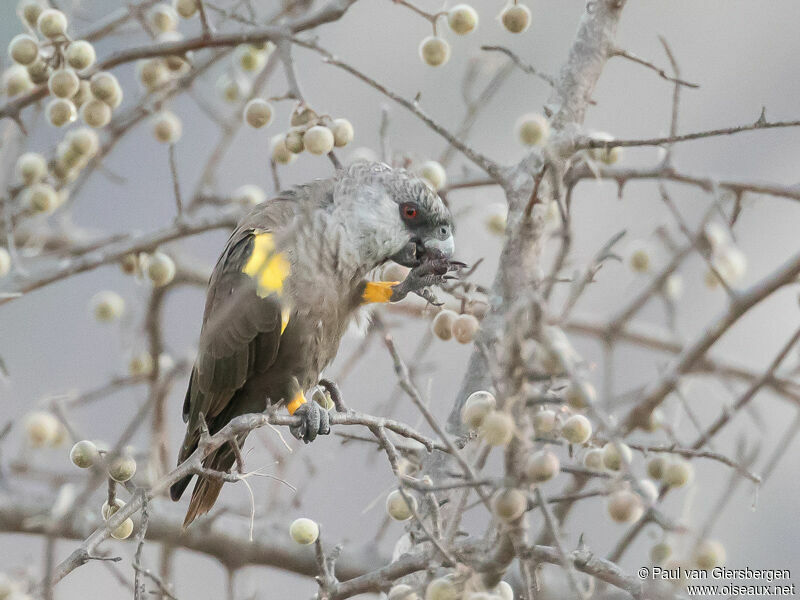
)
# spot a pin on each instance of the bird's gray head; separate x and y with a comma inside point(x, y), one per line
point(393, 215)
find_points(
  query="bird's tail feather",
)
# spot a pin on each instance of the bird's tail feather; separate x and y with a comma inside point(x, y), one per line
point(187, 448)
point(206, 490)
point(176, 489)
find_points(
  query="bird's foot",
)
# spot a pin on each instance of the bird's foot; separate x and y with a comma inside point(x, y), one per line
point(434, 271)
point(314, 421)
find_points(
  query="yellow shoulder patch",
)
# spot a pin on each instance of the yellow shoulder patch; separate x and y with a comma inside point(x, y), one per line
point(269, 268)
point(378, 291)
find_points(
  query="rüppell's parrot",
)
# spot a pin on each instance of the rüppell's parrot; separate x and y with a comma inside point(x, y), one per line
point(289, 280)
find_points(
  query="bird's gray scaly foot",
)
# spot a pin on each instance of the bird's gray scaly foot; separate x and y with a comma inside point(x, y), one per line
point(431, 272)
point(314, 421)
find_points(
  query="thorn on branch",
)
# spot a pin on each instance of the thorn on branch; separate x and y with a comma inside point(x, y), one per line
point(762, 119)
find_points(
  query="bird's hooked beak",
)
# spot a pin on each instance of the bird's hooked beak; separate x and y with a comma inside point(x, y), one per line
point(438, 245)
point(440, 248)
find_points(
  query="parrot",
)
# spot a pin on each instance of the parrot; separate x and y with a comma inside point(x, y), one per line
point(290, 279)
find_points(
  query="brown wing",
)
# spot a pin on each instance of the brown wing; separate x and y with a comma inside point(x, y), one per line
point(241, 334)
point(241, 329)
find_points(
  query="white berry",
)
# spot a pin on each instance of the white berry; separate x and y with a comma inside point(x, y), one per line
point(41, 197)
point(318, 140)
point(639, 258)
point(544, 421)
point(83, 141)
point(464, 328)
point(152, 73)
point(280, 153)
point(709, 554)
point(232, 87)
point(497, 428)
point(84, 454)
point(162, 18)
point(660, 553)
point(613, 455)
point(122, 468)
point(401, 591)
point(648, 490)
point(105, 87)
point(124, 531)
point(23, 49)
point(580, 394)
point(185, 8)
point(442, 324)
point(398, 508)
point(655, 467)
point(64, 83)
point(249, 195)
point(593, 459)
point(80, 55)
point(624, 506)
point(52, 23)
point(462, 19)
point(29, 11)
point(258, 113)
point(434, 51)
point(509, 504)
point(42, 428)
point(38, 71)
point(106, 511)
point(107, 306)
point(160, 269)
point(442, 588)
point(31, 168)
point(248, 58)
point(434, 174)
point(542, 466)
point(16, 81)
point(342, 132)
point(533, 129)
point(476, 407)
point(96, 113)
point(60, 112)
point(516, 18)
point(167, 127)
point(577, 429)
point(677, 472)
point(140, 364)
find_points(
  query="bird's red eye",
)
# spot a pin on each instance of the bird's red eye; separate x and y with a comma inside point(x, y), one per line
point(409, 211)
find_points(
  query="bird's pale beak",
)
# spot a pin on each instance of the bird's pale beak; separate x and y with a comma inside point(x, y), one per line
point(443, 248)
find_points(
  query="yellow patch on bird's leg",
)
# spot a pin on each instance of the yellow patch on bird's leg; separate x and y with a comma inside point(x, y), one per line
point(378, 291)
point(269, 268)
point(285, 314)
point(298, 401)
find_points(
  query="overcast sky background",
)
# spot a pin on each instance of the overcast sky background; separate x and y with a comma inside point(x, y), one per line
point(742, 53)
